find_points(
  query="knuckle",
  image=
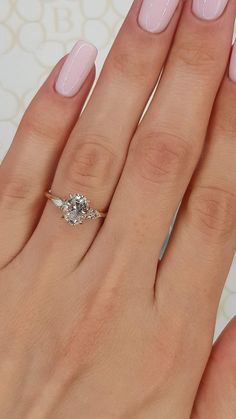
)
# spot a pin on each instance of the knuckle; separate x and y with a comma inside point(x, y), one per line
point(91, 163)
point(161, 157)
point(128, 66)
point(15, 193)
point(213, 211)
point(40, 127)
point(195, 55)
point(34, 130)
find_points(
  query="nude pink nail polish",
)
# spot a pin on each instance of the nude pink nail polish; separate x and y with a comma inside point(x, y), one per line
point(76, 69)
point(232, 65)
point(209, 9)
point(155, 15)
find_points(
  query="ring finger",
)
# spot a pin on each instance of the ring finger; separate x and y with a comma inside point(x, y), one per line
point(95, 153)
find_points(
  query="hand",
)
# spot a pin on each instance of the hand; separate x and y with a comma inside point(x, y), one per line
point(92, 324)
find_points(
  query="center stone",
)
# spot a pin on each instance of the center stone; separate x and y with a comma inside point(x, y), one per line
point(75, 209)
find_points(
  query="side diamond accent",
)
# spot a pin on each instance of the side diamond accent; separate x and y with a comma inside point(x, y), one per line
point(92, 214)
point(58, 202)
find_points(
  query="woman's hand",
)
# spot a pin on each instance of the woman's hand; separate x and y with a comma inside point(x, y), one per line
point(89, 327)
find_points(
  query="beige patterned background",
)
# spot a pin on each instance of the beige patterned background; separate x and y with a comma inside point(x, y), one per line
point(34, 34)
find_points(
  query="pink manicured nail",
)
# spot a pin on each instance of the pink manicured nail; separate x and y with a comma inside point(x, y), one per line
point(209, 9)
point(76, 69)
point(155, 15)
point(232, 66)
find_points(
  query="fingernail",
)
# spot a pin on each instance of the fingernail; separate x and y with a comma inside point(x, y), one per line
point(155, 15)
point(209, 9)
point(76, 69)
point(232, 65)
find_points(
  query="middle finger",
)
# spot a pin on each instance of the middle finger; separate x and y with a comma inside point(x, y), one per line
point(94, 156)
point(165, 150)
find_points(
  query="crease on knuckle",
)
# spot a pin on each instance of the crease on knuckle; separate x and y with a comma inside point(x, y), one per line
point(91, 163)
point(213, 211)
point(195, 55)
point(161, 157)
point(15, 193)
point(129, 66)
point(33, 130)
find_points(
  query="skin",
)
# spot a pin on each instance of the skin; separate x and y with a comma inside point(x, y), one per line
point(92, 323)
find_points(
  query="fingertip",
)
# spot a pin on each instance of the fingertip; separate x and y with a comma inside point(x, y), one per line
point(76, 68)
point(49, 85)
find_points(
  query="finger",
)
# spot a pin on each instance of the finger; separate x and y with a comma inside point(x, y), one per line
point(204, 239)
point(192, 273)
point(167, 145)
point(28, 168)
point(216, 396)
point(198, 258)
point(95, 155)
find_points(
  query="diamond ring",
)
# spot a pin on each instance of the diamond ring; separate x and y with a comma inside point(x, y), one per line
point(76, 208)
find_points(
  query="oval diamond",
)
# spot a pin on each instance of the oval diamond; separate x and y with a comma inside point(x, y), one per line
point(75, 209)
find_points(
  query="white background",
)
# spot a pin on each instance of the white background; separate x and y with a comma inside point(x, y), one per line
point(34, 34)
